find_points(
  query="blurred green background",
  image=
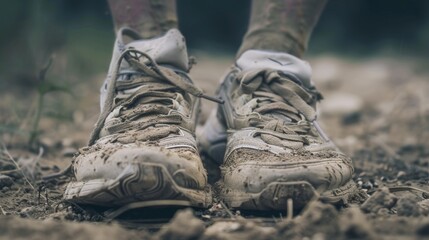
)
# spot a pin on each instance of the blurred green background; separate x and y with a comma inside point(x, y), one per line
point(79, 32)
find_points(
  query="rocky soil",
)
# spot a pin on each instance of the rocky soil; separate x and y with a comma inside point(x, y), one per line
point(375, 109)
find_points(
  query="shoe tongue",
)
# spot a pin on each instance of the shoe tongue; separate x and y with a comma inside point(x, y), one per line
point(290, 65)
point(169, 49)
point(293, 67)
point(279, 116)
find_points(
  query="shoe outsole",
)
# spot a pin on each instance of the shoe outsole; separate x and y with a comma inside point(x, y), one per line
point(137, 183)
point(275, 196)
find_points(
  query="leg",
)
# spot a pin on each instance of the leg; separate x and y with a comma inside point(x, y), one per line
point(282, 25)
point(150, 18)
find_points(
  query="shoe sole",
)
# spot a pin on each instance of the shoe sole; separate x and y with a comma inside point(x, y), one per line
point(277, 194)
point(137, 183)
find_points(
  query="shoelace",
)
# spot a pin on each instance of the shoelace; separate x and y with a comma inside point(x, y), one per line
point(274, 93)
point(162, 84)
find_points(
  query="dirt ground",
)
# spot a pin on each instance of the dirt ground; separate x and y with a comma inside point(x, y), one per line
point(375, 109)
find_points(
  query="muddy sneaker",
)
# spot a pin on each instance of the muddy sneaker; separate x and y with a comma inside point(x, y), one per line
point(275, 150)
point(143, 147)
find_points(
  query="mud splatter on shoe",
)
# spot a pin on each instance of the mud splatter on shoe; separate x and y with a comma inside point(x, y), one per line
point(266, 138)
point(143, 147)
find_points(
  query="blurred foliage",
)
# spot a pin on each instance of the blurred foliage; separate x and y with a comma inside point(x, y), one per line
point(80, 32)
point(355, 27)
point(44, 87)
point(364, 27)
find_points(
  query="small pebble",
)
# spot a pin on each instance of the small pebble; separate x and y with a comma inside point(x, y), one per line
point(5, 181)
point(26, 212)
point(55, 168)
point(355, 225)
point(383, 212)
point(382, 198)
point(360, 183)
point(407, 206)
point(184, 225)
point(401, 174)
point(368, 185)
point(424, 207)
